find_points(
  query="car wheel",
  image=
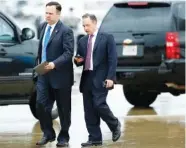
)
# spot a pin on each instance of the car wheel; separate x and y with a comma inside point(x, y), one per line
point(32, 105)
point(139, 98)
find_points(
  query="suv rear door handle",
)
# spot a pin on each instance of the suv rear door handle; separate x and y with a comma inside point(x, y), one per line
point(3, 52)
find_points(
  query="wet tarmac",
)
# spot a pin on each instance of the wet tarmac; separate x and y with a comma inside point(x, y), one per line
point(161, 126)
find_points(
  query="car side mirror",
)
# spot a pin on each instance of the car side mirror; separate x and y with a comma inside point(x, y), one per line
point(27, 34)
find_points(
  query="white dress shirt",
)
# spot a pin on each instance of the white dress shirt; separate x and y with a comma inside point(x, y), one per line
point(93, 43)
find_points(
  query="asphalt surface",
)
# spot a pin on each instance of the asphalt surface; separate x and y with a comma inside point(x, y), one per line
point(160, 126)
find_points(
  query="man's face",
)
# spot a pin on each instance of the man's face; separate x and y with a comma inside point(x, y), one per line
point(51, 15)
point(89, 25)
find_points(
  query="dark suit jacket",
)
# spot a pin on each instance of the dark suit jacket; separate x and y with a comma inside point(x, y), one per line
point(104, 59)
point(60, 50)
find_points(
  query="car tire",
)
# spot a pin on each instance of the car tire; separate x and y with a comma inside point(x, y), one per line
point(139, 98)
point(32, 104)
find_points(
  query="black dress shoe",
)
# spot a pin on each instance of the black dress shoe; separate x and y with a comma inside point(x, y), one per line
point(91, 143)
point(62, 144)
point(117, 133)
point(45, 140)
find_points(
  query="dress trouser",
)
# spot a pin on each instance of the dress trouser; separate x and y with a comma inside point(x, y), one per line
point(46, 96)
point(96, 107)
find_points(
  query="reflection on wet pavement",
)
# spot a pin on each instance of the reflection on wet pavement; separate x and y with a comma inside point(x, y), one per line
point(160, 126)
point(134, 111)
point(152, 132)
point(137, 132)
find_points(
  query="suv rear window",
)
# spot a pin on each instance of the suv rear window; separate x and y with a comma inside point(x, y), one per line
point(124, 18)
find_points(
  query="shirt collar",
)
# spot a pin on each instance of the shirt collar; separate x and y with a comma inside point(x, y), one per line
point(52, 26)
point(95, 33)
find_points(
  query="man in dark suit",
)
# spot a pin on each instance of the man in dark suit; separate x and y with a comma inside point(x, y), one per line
point(97, 53)
point(56, 46)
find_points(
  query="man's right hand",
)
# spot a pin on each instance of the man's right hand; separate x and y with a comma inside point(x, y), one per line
point(109, 83)
point(78, 60)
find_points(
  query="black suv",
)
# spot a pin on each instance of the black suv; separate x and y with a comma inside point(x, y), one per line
point(17, 58)
point(150, 40)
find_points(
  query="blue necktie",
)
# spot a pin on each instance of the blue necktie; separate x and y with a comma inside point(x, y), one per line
point(46, 39)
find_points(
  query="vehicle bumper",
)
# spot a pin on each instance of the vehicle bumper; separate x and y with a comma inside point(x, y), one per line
point(171, 71)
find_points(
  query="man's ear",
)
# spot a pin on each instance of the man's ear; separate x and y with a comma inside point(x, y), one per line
point(59, 13)
point(95, 22)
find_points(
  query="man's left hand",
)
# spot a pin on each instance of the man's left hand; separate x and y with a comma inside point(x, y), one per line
point(50, 66)
point(110, 83)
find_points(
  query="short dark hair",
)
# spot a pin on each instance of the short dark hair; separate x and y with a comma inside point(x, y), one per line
point(91, 16)
point(53, 3)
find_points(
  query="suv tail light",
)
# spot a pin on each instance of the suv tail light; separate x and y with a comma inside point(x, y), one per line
point(172, 45)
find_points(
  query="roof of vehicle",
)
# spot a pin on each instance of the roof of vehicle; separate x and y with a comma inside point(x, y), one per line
point(154, 1)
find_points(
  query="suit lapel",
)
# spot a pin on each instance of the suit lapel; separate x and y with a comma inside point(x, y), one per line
point(55, 31)
point(98, 39)
point(42, 34)
point(86, 43)
point(41, 40)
